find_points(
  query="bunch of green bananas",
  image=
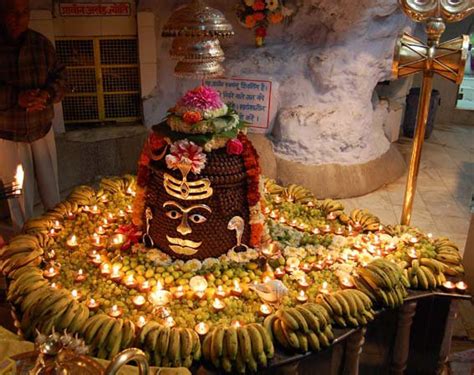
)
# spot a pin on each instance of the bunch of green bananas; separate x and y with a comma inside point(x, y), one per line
point(170, 347)
point(62, 209)
point(107, 336)
point(297, 194)
point(82, 195)
point(271, 187)
point(238, 349)
point(367, 220)
point(23, 250)
point(115, 185)
point(348, 307)
point(448, 253)
point(396, 230)
point(426, 273)
point(301, 328)
point(331, 206)
point(383, 281)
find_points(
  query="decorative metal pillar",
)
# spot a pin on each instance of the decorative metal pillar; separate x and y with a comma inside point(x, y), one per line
point(446, 59)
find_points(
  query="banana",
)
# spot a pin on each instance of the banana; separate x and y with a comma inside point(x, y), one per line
point(206, 346)
point(68, 315)
point(323, 340)
point(231, 342)
point(217, 345)
point(146, 329)
point(196, 346)
point(313, 342)
point(240, 364)
point(313, 322)
point(326, 306)
point(115, 337)
point(99, 341)
point(422, 279)
point(165, 341)
point(80, 319)
point(174, 354)
point(433, 264)
point(430, 276)
point(346, 310)
point(364, 298)
point(128, 336)
point(303, 343)
point(268, 324)
point(302, 324)
point(151, 337)
point(186, 340)
point(267, 340)
point(333, 302)
point(287, 319)
point(257, 345)
point(290, 336)
point(245, 345)
point(319, 312)
point(278, 333)
point(376, 277)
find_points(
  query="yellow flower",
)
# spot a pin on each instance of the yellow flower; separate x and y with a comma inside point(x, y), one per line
point(272, 4)
point(249, 3)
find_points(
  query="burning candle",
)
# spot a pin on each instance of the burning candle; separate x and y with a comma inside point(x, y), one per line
point(80, 276)
point(115, 311)
point(94, 210)
point(50, 272)
point(329, 260)
point(105, 269)
point(138, 301)
point(390, 246)
point(70, 215)
point(100, 230)
point(144, 286)
point(54, 286)
point(324, 288)
point(169, 322)
point(302, 296)
point(57, 226)
point(160, 297)
point(220, 292)
point(412, 253)
point(319, 266)
point(52, 233)
point(116, 275)
point(413, 240)
point(306, 267)
point(202, 328)
point(357, 226)
point(105, 223)
point(104, 198)
point(218, 305)
point(18, 180)
point(461, 287)
point(278, 199)
point(236, 324)
point(92, 253)
point(72, 242)
point(92, 304)
point(316, 231)
point(179, 292)
point(130, 191)
point(111, 217)
point(141, 321)
point(129, 209)
point(376, 241)
point(346, 282)
point(121, 214)
point(265, 309)
point(130, 282)
point(274, 214)
point(282, 220)
point(327, 228)
point(303, 283)
point(117, 240)
point(97, 260)
point(357, 245)
point(51, 254)
point(237, 289)
point(269, 250)
point(339, 230)
point(279, 272)
point(331, 216)
point(76, 294)
point(449, 286)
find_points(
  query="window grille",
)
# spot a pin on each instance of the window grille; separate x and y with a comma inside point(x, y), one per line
point(103, 79)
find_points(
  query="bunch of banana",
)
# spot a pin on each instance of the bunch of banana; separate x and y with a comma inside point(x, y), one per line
point(23, 250)
point(348, 307)
point(170, 347)
point(367, 220)
point(271, 187)
point(396, 230)
point(24, 280)
point(107, 336)
point(115, 185)
point(426, 273)
point(238, 349)
point(38, 224)
point(383, 281)
point(297, 194)
point(329, 205)
point(301, 328)
point(447, 253)
point(82, 195)
point(64, 208)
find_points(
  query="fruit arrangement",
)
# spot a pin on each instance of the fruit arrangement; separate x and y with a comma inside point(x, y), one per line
point(82, 267)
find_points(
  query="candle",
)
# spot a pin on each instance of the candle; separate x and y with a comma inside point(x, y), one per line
point(218, 305)
point(115, 311)
point(130, 282)
point(310, 204)
point(97, 241)
point(350, 232)
point(430, 235)
point(449, 286)
point(412, 253)
point(138, 301)
point(57, 226)
point(76, 294)
point(70, 215)
point(302, 297)
point(357, 226)
point(278, 199)
point(461, 287)
point(266, 210)
point(52, 233)
point(111, 217)
point(274, 214)
point(319, 266)
point(236, 324)
point(201, 328)
point(324, 288)
point(282, 220)
point(357, 245)
point(86, 208)
point(331, 216)
point(316, 231)
point(390, 246)
point(346, 282)
point(303, 283)
point(130, 191)
point(302, 226)
point(169, 322)
point(116, 275)
point(105, 223)
point(100, 230)
point(51, 254)
point(413, 240)
point(97, 260)
point(269, 250)
point(265, 309)
point(121, 214)
point(105, 269)
point(72, 242)
point(279, 272)
point(329, 260)
point(54, 286)
point(327, 228)
point(50, 272)
point(160, 297)
point(104, 199)
point(306, 267)
point(92, 304)
point(141, 321)
point(236, 290)
point(220, 292)
point(144, 286)
point(129, 209)
point(376, 241)
point(94, 210)
point(117, 240)
point(339, 230)
point(80, 276)
point(179, 292)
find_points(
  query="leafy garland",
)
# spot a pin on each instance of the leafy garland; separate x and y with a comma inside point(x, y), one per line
point(259, 14)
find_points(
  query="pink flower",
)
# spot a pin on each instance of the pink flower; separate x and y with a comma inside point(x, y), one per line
point(234, 147)
point(186, 152)
point(203, 98)
point(131, 233)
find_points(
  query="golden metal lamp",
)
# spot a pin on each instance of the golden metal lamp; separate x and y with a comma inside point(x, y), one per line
point(446, 59)
point(196, 29)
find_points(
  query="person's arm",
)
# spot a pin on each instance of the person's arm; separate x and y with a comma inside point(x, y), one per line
point(56, 83)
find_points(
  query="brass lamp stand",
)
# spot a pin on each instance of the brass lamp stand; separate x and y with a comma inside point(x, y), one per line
point(446, 59)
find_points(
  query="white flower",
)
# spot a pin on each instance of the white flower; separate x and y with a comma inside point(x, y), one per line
point(338, 241)
point(223, 258)
point(158, 257)
point(252, 254)
point(290, 251)
point(297, 275)
point(301, 252)
point(233, 256)
point(192, 265)
point(209, 262)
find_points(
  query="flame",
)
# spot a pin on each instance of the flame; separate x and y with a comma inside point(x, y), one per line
point(19, 177)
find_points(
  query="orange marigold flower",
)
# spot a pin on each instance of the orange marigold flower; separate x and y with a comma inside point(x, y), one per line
point(259, 16)
point(276, 17)
point(250, 21)
point(191, 117)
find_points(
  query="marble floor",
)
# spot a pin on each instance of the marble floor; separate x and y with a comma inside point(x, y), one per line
point(444, 189)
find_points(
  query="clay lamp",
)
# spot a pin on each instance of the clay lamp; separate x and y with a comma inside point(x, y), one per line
point(331, 216)
point(357, 245)
point(70, 215)
point(72, 242)
point(129, 209)
point(292, 264)
point(111, 217)
point(324, 288)
point(179, 293)
point(105, 269)
point(51, 272)
point(141, 322)
point(413, 240)
point(315, 231)
point(412, 253)
point(169, 322)
point(121, 214)
point(94, 210)
point(237, 289)
point(104, 199)
point(449, 286)
point(130, 191)
point(282, 220)
point(160, 297)
point(220, 292)
point(279, 273)
point(302, 296)
point(115, 311)
point(265, 310)
point(346, 282)
point(116, 241)
point(306, 267)
point(130, 282)
point(116, 274)
point(339, 231)
point(93, 305)
point(274, 214)
point(100, 230)
point(198, 285)
point(461, 287)
point(54, 286)
point(303, 283)
point(52, 233)
point(278, 199)
point(105, 222)
point(376, 241)
point(138, 301)
point(80, 276)
point(329, 260)
point(218, 305)
point(319, 266)
point(326, 229)
point(236, 324)
point(76, 294)
point(144, 286)
point(97, 260)
point(201, 328)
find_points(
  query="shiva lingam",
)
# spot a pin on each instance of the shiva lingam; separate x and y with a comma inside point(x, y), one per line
point(66, 354)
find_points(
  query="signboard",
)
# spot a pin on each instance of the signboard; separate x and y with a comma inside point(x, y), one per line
point(88, 9)
point(251, 98)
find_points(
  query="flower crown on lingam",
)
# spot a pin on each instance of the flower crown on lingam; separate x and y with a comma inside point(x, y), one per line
point(196, 126)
